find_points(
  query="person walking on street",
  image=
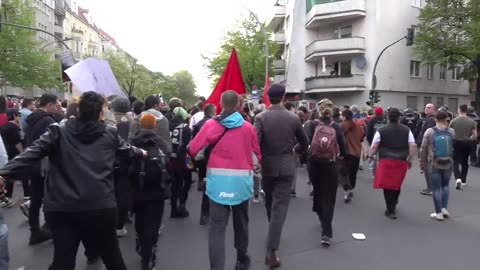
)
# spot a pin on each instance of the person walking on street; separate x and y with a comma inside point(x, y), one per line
point(151, 186)
point(463, 142)
point(354, 134)
point(437, 150)
point(278, 132)
point(80, 198)
point(38, 123)
point(327, 143)
point(396, 148)
point(427, 123)
point(181, 135)
point(231, 142)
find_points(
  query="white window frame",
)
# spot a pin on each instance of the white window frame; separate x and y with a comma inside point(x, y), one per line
point(443, 72)
point(456, 73)
point(417, 3)
point(430, 71)
point(416, 69)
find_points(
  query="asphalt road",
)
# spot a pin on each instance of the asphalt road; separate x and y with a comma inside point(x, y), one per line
point(414, 241)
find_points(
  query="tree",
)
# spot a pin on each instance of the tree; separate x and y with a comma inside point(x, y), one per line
point(186, 86)
point(166, 85)
point(22, 63)
point(249, 41)
point(449, 34)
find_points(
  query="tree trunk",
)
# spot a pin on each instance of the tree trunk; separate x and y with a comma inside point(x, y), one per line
point(477, 91)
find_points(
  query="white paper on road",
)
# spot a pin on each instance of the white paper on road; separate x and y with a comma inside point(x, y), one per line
point(94, 74)
point(359, 236)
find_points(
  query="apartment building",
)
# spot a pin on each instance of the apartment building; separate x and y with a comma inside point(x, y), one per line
point(329, 49)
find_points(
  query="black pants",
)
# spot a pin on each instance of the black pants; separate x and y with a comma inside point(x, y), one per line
point(352, 163)
point(460, 159)
point(148, 218)
point(95, 228)
point(324, 178)
point(202, 174)
point(182, 180)
point(122, 195)
point(391, 199)
point(37, 181)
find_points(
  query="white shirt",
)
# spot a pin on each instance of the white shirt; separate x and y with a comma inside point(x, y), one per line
point(376, 138)
point(196, 118)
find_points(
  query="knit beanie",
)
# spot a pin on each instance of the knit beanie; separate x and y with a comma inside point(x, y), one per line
point(180, 112)
point(120, 105)
point(148, 121)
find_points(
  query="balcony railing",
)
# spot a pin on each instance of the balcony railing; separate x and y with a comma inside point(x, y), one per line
point(338, 83)
point(276, 17)
point(344, 46)
point(279, 38)
point(322, 12)
point(279, 65)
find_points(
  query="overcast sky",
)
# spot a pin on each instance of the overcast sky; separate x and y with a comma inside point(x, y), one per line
point(171, 35)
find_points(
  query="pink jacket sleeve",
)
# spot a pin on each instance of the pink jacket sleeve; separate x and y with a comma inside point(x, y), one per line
point(202, 139)
point(255, 146)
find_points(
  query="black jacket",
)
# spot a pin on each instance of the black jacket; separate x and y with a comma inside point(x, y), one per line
point(311, 125)
point(146, 139)
point(199, 125)
point(427, 123)
point(181, 135)
point(37, 122)
point(371, 127)
point(82, 156)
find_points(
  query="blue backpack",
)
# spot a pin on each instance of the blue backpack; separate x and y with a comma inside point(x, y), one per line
point(442, 146)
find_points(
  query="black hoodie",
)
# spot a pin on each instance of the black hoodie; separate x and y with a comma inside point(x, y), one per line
point(82, 156)
point(37, 124)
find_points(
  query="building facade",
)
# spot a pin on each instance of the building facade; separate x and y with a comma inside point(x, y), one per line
point(330, 48)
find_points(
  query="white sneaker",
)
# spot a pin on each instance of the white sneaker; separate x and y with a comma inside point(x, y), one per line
point(256, 199)
point(445, 213)
point(122, 232)
point(464, 185)
point(458, 184)
point(436, 216)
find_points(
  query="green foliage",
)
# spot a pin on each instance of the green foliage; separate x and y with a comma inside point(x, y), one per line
point(449, 33)
point(249, 41)
point(186, 86)
point(22, 63)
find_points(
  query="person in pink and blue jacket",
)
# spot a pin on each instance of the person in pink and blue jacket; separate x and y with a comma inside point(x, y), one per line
point(230, 140)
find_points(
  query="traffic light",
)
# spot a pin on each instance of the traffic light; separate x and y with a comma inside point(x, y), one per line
point(371, 96)
point(369, 103)
point(410, 36)
point(376, 98)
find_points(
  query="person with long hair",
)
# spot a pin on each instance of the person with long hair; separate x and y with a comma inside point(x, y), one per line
point(323, 171)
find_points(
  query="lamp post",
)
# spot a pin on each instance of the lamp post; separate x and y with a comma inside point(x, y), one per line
point(265, 36)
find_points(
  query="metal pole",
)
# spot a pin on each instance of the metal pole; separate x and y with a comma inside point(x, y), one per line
point(374, 78)
point(265, 36)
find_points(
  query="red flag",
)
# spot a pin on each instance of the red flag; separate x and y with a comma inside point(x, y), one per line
point(266, 100)
point(231, 79)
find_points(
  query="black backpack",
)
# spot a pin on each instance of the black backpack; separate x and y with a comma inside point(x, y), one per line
point(152, 174)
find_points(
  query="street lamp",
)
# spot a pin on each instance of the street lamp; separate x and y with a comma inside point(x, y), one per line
point(265, 36)
point(48, 44)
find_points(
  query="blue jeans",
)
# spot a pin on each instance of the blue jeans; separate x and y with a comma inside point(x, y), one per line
point(4, 258)
point(440, 180)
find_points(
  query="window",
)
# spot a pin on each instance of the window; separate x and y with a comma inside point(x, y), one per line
point(453, 104)
point(430, 68)
point(456, 74)
point(412, 102)
point(443, 71)
point(343, 32)
point(417, 3)
point(427, 100)
point(415, 69)
point(440, 102)
point(342, 68)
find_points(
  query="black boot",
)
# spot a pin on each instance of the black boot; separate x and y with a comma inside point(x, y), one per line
point(243, 261)
point(40, 236)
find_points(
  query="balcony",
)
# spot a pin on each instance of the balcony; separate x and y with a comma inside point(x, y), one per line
point(58, 29)
point(279, 66)
point(326, 12)
point(335, 47)
point(279, 38)
point(276, 17)
point(341, 83)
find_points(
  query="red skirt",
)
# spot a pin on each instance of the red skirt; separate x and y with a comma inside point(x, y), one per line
point(390, 174)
